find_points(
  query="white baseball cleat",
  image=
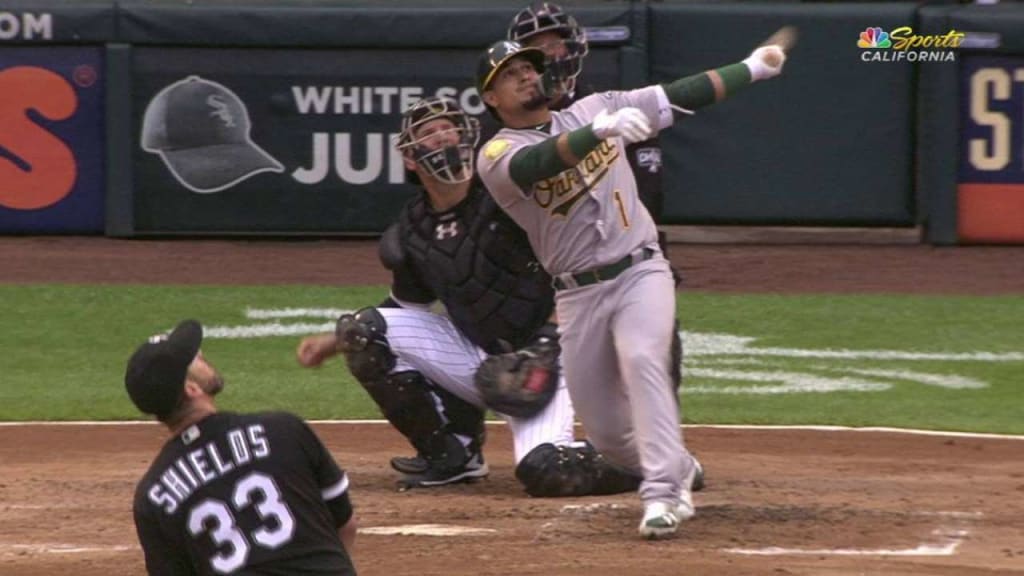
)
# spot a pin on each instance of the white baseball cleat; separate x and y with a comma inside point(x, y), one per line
point(661, 520)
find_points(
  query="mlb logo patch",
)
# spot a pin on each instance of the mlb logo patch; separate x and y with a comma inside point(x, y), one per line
point(649, 158)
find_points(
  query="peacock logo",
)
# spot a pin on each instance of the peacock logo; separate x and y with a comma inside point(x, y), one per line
point(874, 37)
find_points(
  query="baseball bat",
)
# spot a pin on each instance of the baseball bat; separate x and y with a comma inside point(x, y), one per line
point(784, 38)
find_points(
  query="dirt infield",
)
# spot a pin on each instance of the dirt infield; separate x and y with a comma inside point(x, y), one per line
point(714, 268)
point(66, 492)
point(780, 502)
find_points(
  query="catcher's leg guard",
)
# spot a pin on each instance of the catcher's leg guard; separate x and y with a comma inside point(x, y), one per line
point(417, 409)
point(550, 471)
point(408, 402)
point(462, 418)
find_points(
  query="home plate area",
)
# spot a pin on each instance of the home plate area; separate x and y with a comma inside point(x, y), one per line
point(778, 501)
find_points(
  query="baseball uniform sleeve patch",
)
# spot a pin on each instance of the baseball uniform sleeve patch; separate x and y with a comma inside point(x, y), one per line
point(495, 148)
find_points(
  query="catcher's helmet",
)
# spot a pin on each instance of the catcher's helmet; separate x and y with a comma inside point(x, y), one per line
point(549, 17)
point(447, 159)
point(498, 54)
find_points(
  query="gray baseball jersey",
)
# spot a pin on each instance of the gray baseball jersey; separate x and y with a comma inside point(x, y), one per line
point(615, 334)
point(591, 214)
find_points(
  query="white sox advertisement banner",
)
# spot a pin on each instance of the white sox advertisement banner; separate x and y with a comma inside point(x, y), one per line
point(286, 141)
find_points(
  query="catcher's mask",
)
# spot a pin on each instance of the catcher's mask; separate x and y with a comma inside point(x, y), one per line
point(445, 152)
point(561, 70)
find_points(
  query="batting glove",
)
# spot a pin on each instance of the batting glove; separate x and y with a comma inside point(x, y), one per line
point(765, 62)
point(629, 123)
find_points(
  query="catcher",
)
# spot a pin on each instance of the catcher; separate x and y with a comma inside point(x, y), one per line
point(432, 375)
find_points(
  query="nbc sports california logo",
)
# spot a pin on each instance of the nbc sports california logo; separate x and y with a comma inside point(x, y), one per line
point(902, 45)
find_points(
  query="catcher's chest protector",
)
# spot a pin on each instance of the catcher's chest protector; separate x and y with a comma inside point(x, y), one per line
point(481, 267)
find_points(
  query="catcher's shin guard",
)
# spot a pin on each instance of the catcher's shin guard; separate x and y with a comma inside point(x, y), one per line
point(428, 416)
point(463, 419)
point(550, 471)
point(405, 400)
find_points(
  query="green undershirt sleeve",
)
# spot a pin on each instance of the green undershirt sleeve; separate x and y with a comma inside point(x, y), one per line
point(541, 161)
point(697, 91)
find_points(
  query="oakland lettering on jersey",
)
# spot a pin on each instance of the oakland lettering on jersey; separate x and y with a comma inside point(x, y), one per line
point(567, 188)
point(206, 463)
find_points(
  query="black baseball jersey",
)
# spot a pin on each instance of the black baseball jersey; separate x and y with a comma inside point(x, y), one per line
point(479, 264)
point(244, 494)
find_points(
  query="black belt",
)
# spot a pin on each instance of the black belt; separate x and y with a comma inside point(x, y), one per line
point(595, 275)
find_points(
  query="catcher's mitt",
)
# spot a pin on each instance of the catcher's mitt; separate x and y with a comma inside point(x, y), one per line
point(520, 383)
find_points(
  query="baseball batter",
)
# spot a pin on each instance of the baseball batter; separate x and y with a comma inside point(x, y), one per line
point(563, 178)
point(453, 244)
point(548, 27)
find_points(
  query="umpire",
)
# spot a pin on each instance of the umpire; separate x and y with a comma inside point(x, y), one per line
point(229, 493)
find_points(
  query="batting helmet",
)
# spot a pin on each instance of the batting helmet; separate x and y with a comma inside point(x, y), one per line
point(549, 17)
point(498, 54)
point(447, 159)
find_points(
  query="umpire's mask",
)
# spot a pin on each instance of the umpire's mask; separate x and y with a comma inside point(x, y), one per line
point(443, 149)
point(560, 71)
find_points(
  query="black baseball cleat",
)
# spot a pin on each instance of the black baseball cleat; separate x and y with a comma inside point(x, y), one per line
point(410, 464)
point(472, 470)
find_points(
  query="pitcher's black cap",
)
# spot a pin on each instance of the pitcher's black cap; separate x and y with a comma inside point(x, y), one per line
point(155, 377)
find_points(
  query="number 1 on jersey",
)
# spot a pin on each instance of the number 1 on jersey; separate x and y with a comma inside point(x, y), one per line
point(622, 209)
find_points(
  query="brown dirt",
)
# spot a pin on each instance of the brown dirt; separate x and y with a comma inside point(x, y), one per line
point(65, 491)
point(915, 269)
point(72, 485)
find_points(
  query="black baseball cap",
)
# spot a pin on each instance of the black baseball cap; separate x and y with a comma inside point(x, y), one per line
point(201, 131)
point(155, 377)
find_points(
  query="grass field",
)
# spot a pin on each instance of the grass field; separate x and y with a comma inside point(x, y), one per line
point(951, 363)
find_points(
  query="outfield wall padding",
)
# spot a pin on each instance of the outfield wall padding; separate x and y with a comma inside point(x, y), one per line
point(835, 141)
point(827, 143)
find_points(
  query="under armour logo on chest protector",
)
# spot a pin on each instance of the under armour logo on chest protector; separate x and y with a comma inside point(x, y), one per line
point(449, 230)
